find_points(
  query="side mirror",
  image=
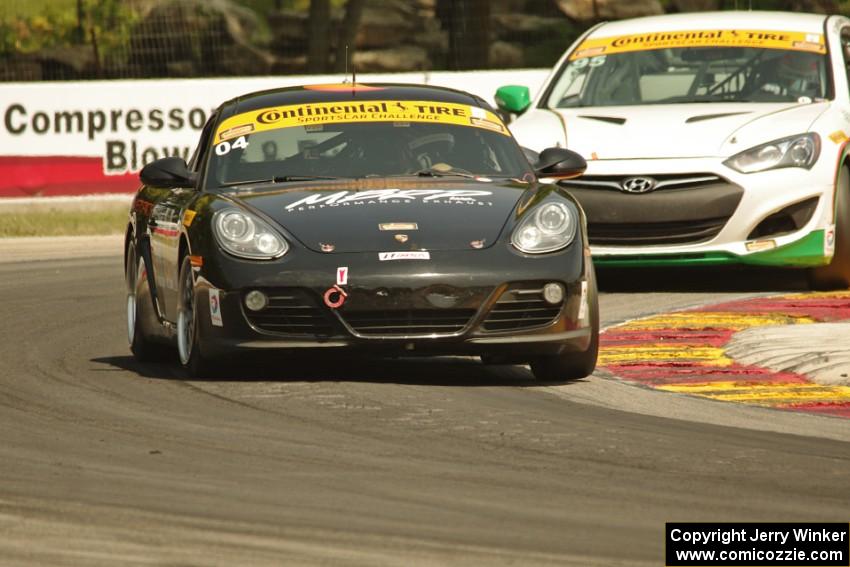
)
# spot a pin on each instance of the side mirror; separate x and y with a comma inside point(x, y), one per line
point(513, 98)
point(559, 163)
point(169, 172)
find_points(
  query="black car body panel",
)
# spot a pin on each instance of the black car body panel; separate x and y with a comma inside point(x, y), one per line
point(476, 293)
point(349, 214)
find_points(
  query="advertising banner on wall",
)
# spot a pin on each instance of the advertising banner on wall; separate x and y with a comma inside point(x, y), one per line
point(78, 138)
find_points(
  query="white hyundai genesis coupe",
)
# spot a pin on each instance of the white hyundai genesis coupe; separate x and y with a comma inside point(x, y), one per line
point(711, 138)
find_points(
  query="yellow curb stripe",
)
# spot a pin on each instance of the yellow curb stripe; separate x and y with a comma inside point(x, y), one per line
point(819, 295)
point(719, 319)
point(663, 353)
point(772, 394)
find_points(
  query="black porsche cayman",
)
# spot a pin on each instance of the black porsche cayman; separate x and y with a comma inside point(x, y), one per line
point(390, 219)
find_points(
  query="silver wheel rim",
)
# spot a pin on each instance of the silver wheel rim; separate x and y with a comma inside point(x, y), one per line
point(131, 317)
point(186, 321)
point(131, 303)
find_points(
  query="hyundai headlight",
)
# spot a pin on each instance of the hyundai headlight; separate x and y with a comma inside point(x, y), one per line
point(794, 151)
point(247, 236)
point(550, 227)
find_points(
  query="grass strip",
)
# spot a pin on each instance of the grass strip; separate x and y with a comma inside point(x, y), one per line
point(59, 222)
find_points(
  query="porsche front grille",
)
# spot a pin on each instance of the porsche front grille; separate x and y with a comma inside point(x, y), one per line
point(291, 311)
point(521, 307)
point(408, 322)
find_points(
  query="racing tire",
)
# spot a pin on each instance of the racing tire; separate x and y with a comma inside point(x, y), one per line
point(836, 275)
point(569, 366)
point(143, 348)
point(189, 341)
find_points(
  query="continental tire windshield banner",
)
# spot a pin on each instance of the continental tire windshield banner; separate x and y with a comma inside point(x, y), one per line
point(798, 41)
point(366, 111)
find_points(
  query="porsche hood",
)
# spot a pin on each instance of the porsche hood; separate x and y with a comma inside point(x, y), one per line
point(409, 216)
point(682, 130)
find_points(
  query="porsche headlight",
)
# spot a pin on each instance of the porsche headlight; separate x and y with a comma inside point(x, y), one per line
point(794, 151)
point(247, 236)
point(549, 228)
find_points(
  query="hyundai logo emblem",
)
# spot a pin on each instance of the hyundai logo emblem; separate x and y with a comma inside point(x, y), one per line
point(638, 184)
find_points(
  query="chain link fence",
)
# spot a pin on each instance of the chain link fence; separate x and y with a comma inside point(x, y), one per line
point(116, 39)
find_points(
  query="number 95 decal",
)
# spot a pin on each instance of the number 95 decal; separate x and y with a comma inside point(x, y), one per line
point(224, 148)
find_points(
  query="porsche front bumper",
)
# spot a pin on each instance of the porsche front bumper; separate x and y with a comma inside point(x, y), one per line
point(457, 303)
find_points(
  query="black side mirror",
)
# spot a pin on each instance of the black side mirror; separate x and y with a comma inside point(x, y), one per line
point(559, 163)
point(168, 172)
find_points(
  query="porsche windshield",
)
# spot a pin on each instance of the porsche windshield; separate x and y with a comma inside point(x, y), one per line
point(692, 74)
point(365, 149)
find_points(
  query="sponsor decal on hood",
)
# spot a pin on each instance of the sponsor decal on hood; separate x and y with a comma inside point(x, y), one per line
point(381, 196)
point(341, 218)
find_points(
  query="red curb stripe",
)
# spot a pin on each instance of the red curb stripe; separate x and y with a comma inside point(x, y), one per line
point(666, 364)
point(742, 375)
point(826, 309)
point(838, 409)
point(715, 338)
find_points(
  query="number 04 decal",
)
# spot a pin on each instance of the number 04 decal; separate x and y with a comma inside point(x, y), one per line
point(224, 148)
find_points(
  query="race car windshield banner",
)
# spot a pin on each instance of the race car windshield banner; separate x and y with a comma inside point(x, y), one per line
point(368, 111)
point(797, 41)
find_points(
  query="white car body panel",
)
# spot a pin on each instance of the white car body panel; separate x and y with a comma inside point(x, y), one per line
point(657, 131)
point(659, 139)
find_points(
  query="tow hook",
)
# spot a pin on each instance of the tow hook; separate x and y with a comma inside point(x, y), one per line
point(335, 297)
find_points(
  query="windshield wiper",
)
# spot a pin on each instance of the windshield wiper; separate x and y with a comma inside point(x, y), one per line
point(697, 99)
point(571, 101)
point(278, 179)
point(428, 172)
point(447, 173)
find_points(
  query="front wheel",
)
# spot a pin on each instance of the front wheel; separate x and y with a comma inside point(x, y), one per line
point(138, 292)
point(188, 337)
point(837, 274)
point(569, 366)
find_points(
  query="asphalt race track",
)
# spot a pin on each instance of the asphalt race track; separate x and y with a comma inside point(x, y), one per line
point(104, 461)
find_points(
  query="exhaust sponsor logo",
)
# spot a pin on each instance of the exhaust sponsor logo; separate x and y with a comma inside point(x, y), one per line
point(318, 201)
